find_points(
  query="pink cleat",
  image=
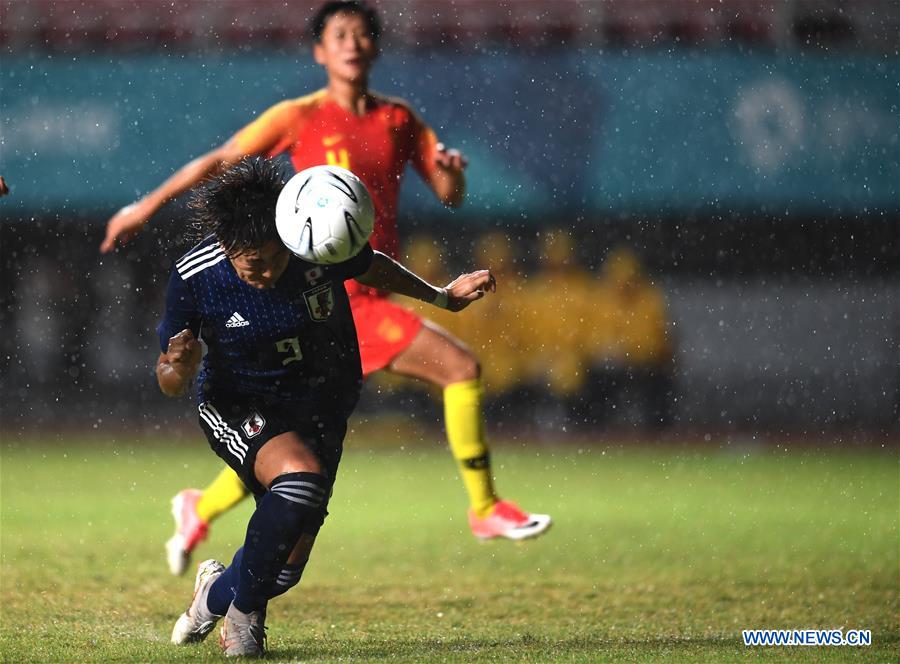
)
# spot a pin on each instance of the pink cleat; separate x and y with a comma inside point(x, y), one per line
point(190, 530)
point(507, 520)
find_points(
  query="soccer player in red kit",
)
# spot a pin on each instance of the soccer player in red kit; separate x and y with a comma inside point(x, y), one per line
point(348, 125)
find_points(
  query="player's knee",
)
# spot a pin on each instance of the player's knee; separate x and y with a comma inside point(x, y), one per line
point(302, 463)
point(462, 367)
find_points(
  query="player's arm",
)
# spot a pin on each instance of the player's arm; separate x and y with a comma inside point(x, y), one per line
point(448, 179)
point(3, 188)
point(176, 368)
point(442, 169)
point(387, 274)
point(180, 351)
point(261, 137)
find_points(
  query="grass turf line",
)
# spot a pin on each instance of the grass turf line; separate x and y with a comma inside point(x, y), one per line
point(655, 554)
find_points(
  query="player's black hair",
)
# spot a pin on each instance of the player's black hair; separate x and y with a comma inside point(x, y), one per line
point(329, 9)
point(238, 206)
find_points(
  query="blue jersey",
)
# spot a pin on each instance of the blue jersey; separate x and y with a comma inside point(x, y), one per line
point(292, 344)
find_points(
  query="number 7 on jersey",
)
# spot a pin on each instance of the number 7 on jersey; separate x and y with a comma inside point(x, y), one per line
point(290, 345)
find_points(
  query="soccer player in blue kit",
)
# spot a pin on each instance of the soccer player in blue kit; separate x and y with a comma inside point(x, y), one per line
point(279, 380)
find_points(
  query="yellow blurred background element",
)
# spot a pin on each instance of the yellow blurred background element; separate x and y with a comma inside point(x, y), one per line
point(553, 326)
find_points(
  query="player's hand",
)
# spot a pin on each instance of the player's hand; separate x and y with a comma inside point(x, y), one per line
point(449, 159)
point(467, 288)
point(184, 352)
point(125, 224)
point(4, 190)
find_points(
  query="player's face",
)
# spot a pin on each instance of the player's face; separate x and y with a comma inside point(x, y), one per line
point(261, 267)
point(346, 48)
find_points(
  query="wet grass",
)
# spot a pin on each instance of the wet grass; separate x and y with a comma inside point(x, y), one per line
point(655, 555)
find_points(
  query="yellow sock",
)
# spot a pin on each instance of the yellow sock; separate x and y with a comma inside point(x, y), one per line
point(225, 492)
point(465, 433)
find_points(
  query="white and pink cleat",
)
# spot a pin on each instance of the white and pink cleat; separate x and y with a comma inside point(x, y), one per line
point(190, 530)
point(507, 520)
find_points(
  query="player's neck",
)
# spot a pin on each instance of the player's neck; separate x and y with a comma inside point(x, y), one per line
point(352, 96)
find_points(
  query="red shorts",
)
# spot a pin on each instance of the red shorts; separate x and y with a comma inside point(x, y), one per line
point(384, 329)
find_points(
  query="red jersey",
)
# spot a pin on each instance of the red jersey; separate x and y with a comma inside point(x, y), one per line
point(376, 146)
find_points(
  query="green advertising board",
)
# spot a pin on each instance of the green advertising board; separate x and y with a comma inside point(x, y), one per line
point(553, 133)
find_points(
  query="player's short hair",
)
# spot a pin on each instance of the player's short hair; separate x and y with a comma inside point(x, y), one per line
point(329, 9)
point(238, 206)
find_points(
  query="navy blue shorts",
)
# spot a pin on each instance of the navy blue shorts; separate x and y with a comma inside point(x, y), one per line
point(237, 430)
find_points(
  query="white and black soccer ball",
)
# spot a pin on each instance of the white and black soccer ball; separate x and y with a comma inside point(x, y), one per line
point(324, 214)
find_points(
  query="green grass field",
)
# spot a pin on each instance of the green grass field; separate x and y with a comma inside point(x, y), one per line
point(656, 554)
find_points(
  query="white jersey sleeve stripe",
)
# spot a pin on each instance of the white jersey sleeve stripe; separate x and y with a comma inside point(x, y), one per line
point(202, 266)
point(197, 254)
point(198, 258)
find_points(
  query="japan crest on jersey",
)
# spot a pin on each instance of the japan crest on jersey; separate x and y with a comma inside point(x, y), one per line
point(253, 424)
point(320, 302)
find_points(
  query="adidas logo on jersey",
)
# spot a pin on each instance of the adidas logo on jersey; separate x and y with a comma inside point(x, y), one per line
point(237, 320)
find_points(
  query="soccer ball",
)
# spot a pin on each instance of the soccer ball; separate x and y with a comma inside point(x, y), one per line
point(324, 214)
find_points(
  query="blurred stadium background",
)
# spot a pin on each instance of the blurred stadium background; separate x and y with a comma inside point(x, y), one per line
point(693, 206)
point(693, 211)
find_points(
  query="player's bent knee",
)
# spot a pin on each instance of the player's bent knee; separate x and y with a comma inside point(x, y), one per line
point(466, 367)
point(294, 466)
point(283, 454)
point(458, 364)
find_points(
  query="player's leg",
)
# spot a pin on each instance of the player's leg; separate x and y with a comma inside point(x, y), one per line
point(243, 633)
point(223, 493)
point(394, 338)
point(195, 510)
point(388, 337)
point(285, 475)
point(437, 357)
point(223, 594)
point(297, 491)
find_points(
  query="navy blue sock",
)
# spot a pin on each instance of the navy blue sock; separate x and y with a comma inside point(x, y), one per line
point(221, 592)
point(293, 500)
point(288, 577)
